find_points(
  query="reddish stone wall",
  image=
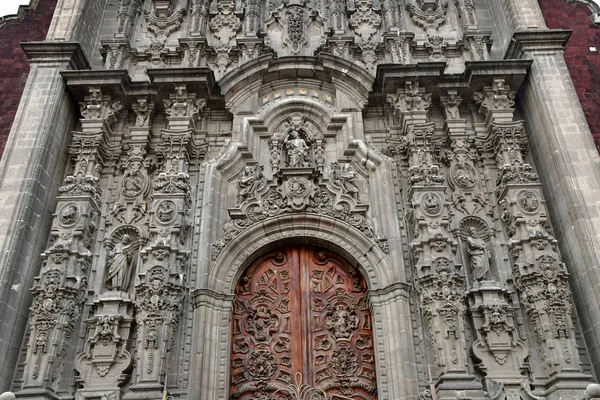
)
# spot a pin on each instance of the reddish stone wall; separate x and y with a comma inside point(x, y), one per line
point(14, 66)
point(583, 64)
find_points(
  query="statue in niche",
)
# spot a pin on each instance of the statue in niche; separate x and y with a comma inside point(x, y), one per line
point(479, 256)
point(344, 176)
point(120, 261)
point(251, 181)
point(297, 150)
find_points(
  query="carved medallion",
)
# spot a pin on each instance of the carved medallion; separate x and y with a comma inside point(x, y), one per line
point(341, 321)
point(165, 212)
point(464, 175)
point(431, 204)
point(262, 364)
point(529, 201)
point(133, 182)
point(344, 362)
point(69, 214)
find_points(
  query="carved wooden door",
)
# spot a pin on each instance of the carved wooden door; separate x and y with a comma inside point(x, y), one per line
point(302, 313)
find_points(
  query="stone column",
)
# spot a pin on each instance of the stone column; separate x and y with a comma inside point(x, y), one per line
point(439, 279)
point(30, 171)
point(396, 364)
point(539, 273)
point(211, 344)
point(61, 288)
point(161, 289)
point(569, 167)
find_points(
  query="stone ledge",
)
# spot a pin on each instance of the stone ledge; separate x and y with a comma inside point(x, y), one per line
point(52, 52)
point(536, 40)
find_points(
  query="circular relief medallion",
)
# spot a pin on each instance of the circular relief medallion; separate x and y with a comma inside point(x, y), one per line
point(529, 201)
point(298, 187)
point(464, 175)
point(69, 214)
point(132, 183)
point(165, 212)
point(344, 361)
point(261, 364)
point(431, 204)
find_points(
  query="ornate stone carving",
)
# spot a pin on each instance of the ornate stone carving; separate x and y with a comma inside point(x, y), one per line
point(344, 176)
point(479, 256)
point(55, 311)
point(364, 20)
point(127, 11)
point(297, 191)
point(183, 104)
point(103, 362)
point(410, 99)
point(250, 182)
point(540, 276)
point(198, 17)
point(501, 351)
point(159, 305)
point(121, 258)
point(294, 16)
point(225, 24)
point(430, 14)
point(163, 20)
point(297, 150)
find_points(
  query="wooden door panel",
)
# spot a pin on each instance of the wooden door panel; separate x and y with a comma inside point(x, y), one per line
point(302, 310)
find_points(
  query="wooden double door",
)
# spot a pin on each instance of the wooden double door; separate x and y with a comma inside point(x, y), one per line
point(301, 313)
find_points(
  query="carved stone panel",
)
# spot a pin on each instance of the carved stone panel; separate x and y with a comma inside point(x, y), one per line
point(302, 311)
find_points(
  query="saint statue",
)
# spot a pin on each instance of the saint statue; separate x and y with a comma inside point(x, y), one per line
point(119, 263)
point(345, 177)
point(479, 256)
point(297, 150)
point(251, 181)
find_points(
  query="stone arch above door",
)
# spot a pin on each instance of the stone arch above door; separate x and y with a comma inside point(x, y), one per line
point(300, 228)
point(301, 315)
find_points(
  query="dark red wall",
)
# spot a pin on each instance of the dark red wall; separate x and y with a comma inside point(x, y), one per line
point(14, 66)
point(583, 64)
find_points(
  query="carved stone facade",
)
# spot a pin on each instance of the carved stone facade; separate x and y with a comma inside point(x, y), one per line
point(303, 199)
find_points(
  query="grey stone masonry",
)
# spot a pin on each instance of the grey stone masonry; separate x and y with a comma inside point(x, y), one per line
point(29, 178)
point(163, 148)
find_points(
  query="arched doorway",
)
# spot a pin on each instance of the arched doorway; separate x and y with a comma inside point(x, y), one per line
point(302, 312)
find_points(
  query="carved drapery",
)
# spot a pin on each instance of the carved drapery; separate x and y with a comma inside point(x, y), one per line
point(302, 310)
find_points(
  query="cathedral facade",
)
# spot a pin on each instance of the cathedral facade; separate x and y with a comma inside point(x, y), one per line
point(299, 199)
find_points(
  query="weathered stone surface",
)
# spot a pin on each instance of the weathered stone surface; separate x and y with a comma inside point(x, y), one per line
point(387, 132)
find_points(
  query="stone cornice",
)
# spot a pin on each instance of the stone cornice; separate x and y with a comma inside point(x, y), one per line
point(432, 79)
point(211, 299)
point(118, 84)
point(535, 41)
point(391, 293)
point(21, 13)
point(53, 52)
